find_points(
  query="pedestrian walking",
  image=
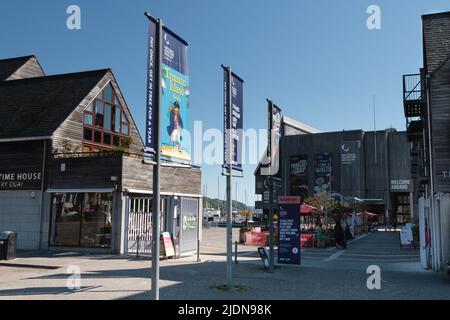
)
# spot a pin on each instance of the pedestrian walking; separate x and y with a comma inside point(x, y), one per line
point(319, 236)
point(339, 236)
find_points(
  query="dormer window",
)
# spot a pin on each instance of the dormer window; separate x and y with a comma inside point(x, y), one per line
point(105, 123)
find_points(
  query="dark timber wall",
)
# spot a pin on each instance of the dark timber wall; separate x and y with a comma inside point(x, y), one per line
point(360, 169)
point(20, 158)
point(436, 38)
point(137, 175)
point(436, 34)
point(132, 173)
point(440, 126)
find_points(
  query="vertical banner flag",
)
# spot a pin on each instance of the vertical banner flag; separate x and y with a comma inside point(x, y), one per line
point(152, 83)
point(175, 124)
point(323, 171)
point(289, 230)
point(273, 141)
point(237, 112)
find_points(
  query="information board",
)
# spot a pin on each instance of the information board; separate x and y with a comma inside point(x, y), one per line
point(289, 230)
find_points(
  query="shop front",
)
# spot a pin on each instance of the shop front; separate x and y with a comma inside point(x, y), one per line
point(81, 219)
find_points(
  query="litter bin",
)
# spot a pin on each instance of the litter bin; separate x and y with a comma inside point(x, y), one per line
point(8, 244)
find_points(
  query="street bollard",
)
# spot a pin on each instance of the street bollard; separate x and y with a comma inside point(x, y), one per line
point(198, 251)
point(235, 252)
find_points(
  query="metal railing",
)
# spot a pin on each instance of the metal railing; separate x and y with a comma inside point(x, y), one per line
point(413, 87)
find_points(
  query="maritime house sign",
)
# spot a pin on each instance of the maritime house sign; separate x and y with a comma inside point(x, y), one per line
point(20, 180)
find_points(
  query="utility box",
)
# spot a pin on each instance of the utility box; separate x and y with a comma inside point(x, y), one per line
point(8, 245)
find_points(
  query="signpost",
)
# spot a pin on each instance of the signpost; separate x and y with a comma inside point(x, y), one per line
point(272, 167)
point(289, 251)
point(172, 90)
point(233, 125)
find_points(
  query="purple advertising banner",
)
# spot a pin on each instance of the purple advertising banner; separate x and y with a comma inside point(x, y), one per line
point(237, 112)
point(152, 87)
point(175, 94)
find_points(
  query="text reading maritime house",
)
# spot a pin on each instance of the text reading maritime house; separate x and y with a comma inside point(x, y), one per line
point(72, 171)
point(371, 168)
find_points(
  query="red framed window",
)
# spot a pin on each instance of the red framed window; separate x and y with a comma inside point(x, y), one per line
point(105, 122)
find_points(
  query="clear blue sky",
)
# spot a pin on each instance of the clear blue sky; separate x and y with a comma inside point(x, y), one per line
point(316, 59)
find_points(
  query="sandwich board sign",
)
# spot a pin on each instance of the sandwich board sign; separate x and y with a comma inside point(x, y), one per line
point(406, 237)
point(167, 249)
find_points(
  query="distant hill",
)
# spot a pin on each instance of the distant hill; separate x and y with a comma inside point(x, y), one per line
point(212, 203)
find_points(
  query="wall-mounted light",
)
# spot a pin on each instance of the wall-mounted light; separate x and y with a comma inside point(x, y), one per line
point(33, 195)
point(114, 180)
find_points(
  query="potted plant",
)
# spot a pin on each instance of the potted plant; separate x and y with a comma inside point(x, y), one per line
point(246, 228)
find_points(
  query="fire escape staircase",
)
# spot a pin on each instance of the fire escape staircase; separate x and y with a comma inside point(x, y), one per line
point(415, 108)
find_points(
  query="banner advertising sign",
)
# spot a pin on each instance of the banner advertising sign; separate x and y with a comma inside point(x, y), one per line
point(237, 99)
point(175, 144)
point(272, 166)
point(152, 90)
point(323, 173)
point(299, 176)
point(175, 94)
point(289, 230)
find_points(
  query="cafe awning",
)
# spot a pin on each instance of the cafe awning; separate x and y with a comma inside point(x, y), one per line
point(306, 209)
point(367, 214)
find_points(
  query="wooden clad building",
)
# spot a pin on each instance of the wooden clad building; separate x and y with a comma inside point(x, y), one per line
point(72, 168)
point(427, 110)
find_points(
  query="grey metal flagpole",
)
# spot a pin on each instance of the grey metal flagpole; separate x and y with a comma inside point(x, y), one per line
point(229, 182)
point(271, 222)
point(156, 205)
point(375, 130)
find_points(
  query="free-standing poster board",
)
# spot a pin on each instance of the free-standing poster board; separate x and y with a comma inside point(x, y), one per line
point(406, 237)
point(167, 249)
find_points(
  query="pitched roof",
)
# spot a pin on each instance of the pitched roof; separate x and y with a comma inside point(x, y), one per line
point(36, 107)
point(9, 66)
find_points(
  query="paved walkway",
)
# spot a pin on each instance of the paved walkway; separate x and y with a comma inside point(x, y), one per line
point(324, 274)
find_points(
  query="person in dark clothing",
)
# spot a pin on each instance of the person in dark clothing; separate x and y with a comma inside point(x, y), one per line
point(339, 236)
point(348, 233)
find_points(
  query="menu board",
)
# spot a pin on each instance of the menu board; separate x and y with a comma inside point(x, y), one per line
point(406, 237)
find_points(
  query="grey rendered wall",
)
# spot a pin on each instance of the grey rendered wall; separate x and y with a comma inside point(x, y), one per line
point(19, 212)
